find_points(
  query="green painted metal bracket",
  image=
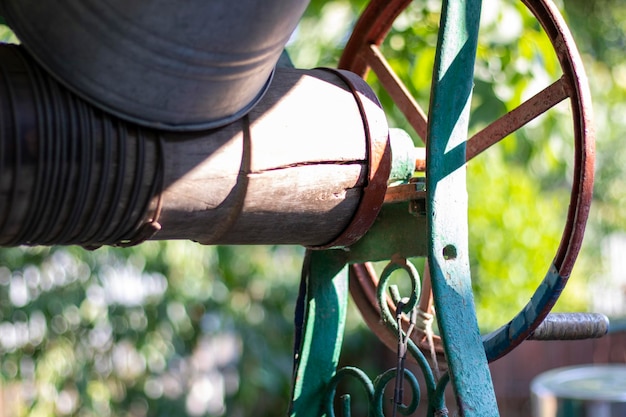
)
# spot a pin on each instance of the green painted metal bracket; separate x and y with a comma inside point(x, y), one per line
point(318, 343)
point(447, 208)
point(396, 231)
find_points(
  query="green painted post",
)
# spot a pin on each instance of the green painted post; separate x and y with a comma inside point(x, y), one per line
point(326, 277)
point(447, 208)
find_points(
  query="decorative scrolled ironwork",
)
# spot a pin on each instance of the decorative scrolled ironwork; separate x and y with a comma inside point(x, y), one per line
point(435, 386)
point(375, 391)
point(396, 263)
point(379, 392)
point(331, 390)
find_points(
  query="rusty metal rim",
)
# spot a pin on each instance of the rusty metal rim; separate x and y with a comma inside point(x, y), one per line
point(379, 162)
point(583, 175)
point(584, 130)
point(371, 29)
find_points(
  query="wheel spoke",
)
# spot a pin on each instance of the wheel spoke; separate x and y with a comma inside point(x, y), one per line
point(397, 90)
point(518, 117)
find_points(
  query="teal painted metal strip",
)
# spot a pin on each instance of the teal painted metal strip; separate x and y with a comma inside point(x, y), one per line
point(447, 208)
point(326, 277)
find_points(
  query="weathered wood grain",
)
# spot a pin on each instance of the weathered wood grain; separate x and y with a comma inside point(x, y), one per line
point(291, 172)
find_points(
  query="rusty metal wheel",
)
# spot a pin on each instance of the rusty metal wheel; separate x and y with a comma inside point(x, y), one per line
point(363, 53)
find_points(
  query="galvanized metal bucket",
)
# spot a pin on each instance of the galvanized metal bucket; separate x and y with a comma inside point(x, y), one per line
point(580, 391)
point(187, 65)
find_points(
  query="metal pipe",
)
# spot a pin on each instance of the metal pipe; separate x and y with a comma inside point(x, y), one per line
point(169, 65)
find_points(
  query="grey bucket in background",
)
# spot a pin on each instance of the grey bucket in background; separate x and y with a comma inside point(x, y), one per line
point(177, 65)
point(580, 391)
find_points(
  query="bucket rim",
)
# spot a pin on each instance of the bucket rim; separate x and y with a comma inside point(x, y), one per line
point(590, 382)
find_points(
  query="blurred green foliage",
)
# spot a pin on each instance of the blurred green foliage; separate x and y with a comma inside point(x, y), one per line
point(106, 333)
point(175, 328)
